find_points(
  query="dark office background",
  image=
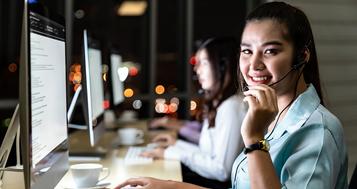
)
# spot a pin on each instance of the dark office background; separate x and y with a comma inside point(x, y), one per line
point(130, 36)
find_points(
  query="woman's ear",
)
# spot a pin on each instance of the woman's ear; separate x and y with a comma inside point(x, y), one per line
point(306, 55)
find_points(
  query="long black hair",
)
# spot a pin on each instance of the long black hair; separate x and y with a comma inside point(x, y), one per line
point(222, 55)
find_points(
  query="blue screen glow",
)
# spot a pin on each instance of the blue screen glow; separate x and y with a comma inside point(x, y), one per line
point(32, 1)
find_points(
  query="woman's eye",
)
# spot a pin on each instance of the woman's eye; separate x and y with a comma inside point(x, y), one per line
point(271, 51)
point(204, 62)
point(245, 51)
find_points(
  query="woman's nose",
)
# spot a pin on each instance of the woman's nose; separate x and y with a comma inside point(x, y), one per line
point(256, 63)
point(197, 68)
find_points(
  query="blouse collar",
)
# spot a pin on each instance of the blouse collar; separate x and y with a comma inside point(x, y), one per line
point(301, 109)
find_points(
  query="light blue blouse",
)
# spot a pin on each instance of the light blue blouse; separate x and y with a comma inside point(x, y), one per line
point(307, 148)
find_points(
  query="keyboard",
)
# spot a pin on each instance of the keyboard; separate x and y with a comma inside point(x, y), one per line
point(133, 157)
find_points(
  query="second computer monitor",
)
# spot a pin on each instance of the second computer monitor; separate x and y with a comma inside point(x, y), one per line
point(42, 95)
point(93, 89)
point(117, 72)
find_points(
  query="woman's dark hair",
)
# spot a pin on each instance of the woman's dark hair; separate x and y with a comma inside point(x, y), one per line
point(298, 32)
point(222, 55)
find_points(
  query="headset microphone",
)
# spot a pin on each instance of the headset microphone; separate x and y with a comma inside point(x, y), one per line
point(294, 67)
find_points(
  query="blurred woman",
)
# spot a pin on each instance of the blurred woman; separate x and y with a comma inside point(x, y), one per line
point(220, 141)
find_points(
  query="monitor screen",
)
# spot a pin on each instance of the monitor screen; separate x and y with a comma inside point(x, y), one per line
point(87, 113)
point(48, 76)
point(95, 84)
point(43, 108)
point(117, 87)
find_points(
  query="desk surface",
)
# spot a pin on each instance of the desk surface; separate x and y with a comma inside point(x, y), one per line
point(114, 160)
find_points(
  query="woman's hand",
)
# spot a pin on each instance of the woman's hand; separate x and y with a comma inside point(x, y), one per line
point(263, 108)
point(166, 122)
point(144, 182)
point(164, 140)
point(157, 153)
point(152, 183)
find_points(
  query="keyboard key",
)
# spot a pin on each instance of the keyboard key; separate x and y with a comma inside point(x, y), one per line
point(133, 157)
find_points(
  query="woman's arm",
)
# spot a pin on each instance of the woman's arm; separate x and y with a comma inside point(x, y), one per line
point(261, 170)
point(219, 145)
point(262, 110)
point(152, 183)
point(191, 131)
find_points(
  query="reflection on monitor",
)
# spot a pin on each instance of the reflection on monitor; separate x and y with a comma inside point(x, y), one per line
point(117, 87)
point(43, 96)
point(93, 88)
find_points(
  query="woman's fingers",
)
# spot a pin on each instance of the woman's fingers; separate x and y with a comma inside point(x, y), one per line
point(134, 182)
point(161, 138)
point(264, 96)
point(262, 102)
point(156, 153)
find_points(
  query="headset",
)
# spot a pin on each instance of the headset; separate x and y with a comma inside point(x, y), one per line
point(301, 61)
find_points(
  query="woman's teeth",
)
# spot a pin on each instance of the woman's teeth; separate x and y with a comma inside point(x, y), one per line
point(260, 78)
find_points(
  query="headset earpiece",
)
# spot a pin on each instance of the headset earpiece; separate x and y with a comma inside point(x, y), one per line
point(297, 66)
point(300, 60)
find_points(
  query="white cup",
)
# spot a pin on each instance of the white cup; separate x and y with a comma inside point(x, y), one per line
point(87, 174)
point(128, 116)
point(130, 136)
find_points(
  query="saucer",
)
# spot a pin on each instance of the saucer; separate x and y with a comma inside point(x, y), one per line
point(137, 142)
point(98, 186)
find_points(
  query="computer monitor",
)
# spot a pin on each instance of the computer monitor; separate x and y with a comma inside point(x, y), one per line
point(43, 110)
point(90, 116)
point(93, 87)
point(117, 74)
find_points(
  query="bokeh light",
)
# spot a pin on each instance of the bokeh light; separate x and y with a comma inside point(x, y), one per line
point(172, 108)
point(77, 78)
point(12, 67)
point(123, 73)
point(175, 100)
point(105, 68)
point(137, 104)
point(128, 92)
point(7, 122)
point(193, 105)
point(75, 75)
point(161, 108)
point(133, 71)
point(106, 104)
point(159, 89)
point(160, 101)
point(193, 60)
point(105, 77)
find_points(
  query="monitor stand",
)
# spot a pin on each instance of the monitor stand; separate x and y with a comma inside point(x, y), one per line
point(11, 177)
point(80, 149)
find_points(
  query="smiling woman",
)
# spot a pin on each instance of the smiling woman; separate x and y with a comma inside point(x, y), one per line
point(278, 63)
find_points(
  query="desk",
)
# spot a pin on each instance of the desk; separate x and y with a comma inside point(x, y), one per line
point(162, 169)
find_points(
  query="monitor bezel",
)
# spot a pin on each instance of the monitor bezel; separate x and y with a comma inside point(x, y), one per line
point(96, 127)
point(54, 174)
